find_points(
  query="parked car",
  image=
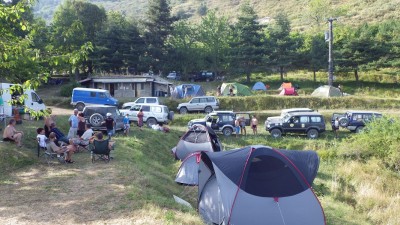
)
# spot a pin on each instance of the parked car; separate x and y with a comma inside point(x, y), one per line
point(174, 75)
point(152, 113)
point(142, 100)
point(284, 114)
point(205, 104)
point(82, 97)
point(221, 121)
point(310, 123)
point(95, 115)
point(355, 120)
point(203, 76)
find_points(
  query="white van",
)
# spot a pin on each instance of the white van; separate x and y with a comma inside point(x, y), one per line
point(32, 101)
point(152, 113)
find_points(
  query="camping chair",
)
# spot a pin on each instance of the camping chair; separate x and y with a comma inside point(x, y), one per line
point(40, 150)
point(50, 156)
point(99, 150)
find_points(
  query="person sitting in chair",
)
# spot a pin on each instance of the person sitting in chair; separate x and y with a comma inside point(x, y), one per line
point(85, 138)
point(69, 150)
point(11, 134)
point(59, 135)
point(99, 141)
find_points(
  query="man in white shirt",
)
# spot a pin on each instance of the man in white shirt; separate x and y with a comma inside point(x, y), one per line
point(85, 138)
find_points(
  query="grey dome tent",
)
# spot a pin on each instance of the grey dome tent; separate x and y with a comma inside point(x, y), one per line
point(197, 138)
point(327, 91)
point(259, 185)
point(187, 90)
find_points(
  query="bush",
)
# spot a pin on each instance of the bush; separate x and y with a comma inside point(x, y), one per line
point(66, 90)
point(379, 139)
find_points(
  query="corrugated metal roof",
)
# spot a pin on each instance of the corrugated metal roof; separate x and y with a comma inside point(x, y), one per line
point(122, 80)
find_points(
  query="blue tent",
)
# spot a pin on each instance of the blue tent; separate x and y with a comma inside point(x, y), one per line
point(187, 90)
point(259, 86)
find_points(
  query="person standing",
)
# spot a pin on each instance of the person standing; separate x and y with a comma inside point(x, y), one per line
point(127, 126)
point(73, 124)
point(219, 90)
point(12, 134)
point(243, 125)
point(231, 90)
point(335, 126)
point(110, 123)
point(254, 123)
point(140, 116)
point(237, 126)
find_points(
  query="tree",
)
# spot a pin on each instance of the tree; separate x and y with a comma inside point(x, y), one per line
point(74, 26)
point(314, 52)
point(185, 53)
point(118, 45)
point(247, 47)
point(214, 35)
point(158, 28)
point(283, 45)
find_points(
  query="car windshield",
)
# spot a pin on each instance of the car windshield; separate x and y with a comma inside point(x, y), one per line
point(286, 117)
point(107, 94)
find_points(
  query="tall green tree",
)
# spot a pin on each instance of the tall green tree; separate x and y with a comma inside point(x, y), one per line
point(158, 28)
point(214, 35)
point(283, 46)
point(247, 45)
point(118, 45)
point(313, 54)
point(74, 30)
point(186, 50)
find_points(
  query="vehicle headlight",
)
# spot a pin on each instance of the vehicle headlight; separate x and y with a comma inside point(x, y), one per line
point(268, 126)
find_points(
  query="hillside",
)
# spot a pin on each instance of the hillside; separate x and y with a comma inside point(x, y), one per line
point(302, 13)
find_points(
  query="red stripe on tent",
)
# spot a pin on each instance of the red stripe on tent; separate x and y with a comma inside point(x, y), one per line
point(198, 155)
point(305, 180)
point(240, 183)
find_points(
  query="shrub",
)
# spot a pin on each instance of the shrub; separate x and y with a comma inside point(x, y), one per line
point(379, 139)
point(66, 90)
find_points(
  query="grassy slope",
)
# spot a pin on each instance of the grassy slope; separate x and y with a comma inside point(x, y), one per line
point(355, 12)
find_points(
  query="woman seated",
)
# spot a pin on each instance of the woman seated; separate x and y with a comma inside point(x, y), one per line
point(69, 150)
point(11, 134)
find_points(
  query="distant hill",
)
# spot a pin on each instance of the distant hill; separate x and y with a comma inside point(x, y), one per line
point(299, 11)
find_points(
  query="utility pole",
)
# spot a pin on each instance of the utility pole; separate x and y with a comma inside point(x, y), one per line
point(330, 57)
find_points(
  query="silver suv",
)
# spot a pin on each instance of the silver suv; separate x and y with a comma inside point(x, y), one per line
point(152, 113)
point(205, 104)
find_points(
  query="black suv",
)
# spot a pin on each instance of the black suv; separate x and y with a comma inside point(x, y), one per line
point(310, 123)
point(221, 121)
point(355, 120)
point(203, 76)
point(95, 115)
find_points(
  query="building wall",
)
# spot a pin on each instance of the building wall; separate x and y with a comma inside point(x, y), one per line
point(132, 90)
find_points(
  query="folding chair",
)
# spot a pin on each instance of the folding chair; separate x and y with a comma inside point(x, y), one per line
point(99, 150)
point(40, 150)
point(50, 156)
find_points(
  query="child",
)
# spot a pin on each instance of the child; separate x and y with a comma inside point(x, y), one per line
point(60, 150)
point(237, 126)
point(126, 124)
point(41, 137)
point(254, 123)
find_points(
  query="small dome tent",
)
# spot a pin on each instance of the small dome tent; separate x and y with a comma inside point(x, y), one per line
point(285, 84)
point(259, 185)
point(187, 90)
point(238, 89)
point(289, 91)
point(327, 91)
point(259, 86)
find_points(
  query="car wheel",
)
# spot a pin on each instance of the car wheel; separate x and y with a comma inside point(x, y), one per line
point(96, 120)
point(80, 106)
point(208, 109)
point(343, 122)
point(276, 133)
point(151, 121)
point(227, 131)
point(312, 133)
point(183, 110)
point(359, 129)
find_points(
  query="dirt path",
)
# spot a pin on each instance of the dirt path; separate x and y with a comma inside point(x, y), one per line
point(82, 193)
